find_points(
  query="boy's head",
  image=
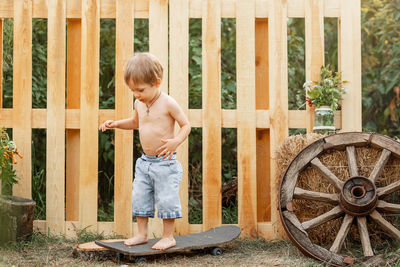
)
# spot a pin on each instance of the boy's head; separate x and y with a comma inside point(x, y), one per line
point(143, 68)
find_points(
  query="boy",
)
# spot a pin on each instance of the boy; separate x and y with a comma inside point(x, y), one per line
point(157, 172)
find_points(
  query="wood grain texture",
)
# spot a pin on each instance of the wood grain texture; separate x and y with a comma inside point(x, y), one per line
point(55, 152)
point(263, 138)
point(22, 94)
point(123, 109)
point(88, 177)
point(211, 82)
point(364, 236)
point(350, 63)
point(278, 93)
point(73, 102)
point(351, 159)
point(341, 235)
point(246, 106)
point(179, 90)
point(314, 37)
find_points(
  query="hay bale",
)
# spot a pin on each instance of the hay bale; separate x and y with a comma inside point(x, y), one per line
point(336, 161)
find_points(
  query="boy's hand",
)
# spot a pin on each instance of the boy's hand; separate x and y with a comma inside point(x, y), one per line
point(109, 124)
point(168, 149)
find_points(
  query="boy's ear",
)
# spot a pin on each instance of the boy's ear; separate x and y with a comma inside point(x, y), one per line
point(158, 82)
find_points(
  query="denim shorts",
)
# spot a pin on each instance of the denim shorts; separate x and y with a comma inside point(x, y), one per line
point(157, 182)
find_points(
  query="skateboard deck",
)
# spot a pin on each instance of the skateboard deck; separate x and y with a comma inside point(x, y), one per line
point(184, 243)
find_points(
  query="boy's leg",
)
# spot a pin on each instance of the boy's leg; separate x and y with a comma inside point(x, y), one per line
point(141, 236)
point(167, 239)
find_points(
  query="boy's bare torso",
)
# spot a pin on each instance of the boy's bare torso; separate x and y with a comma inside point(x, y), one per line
point(156, 125)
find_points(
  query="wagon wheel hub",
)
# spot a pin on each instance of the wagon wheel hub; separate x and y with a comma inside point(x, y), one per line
point(358, 196)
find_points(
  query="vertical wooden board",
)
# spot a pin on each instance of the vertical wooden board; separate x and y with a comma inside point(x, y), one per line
point(158, 35)
point(73, 102)
point(22, 94)
point(314, 33)
point(262, 102)
point(350, 63)
point(246, 117)
point(158, 38)
point(278, 95)
point(6, 8)
point(88, 160)
point(55, 152)
point(123, 110)
point(211, 81)
point(179, 90)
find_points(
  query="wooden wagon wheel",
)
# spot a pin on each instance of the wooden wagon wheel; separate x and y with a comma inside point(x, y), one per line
point(355, 199)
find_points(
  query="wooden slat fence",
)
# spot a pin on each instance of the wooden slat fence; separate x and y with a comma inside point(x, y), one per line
point(262, 117)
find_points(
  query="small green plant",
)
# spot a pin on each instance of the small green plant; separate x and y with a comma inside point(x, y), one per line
point(8, 157)
point(327, 91)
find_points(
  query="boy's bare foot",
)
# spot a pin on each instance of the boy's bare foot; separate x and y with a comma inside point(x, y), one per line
point(136, 240)
point(165, 243)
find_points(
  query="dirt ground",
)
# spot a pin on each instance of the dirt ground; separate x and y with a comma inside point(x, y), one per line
point(42, 250)
point(45, 251)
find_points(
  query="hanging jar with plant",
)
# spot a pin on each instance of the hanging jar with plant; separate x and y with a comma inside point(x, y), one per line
point(16, 213)
point(325, 95)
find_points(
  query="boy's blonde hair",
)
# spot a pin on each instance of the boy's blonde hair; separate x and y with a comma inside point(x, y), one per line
point(143, 68)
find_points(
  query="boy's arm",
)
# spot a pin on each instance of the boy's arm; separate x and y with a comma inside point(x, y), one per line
point(170, 145)
point(126, 124)
point(130, 123)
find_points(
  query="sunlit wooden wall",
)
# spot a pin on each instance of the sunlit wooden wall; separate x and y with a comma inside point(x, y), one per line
point(262, 117)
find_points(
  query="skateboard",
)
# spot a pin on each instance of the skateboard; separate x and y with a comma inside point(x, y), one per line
point(211, 240)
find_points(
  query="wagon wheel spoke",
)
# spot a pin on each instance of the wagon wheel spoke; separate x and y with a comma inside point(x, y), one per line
point(327, 173)
point(380, 165)
point(351, 158)
point(387, 226)
point(341, 236)
point(300, 193)
point(384, 191)
point(364, 235)
point(388, 207)
point(323, 218)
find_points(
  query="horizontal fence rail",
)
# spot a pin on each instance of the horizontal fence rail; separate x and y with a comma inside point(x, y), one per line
point(262, 117)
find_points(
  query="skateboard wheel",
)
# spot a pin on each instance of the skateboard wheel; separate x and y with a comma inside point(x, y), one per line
point(216, 251)
point(140, 260)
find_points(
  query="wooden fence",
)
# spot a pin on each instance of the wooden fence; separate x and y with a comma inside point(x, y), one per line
point(262, 117)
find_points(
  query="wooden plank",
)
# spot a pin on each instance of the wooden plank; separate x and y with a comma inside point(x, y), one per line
point(40, 9)
point(380, 165)
point(88, 178)
point(158, 42)
point(123, 109)
point(246, 119)
point(384, 191)
point(73, 102)
point(296, 9)
point(278, 94)
point(211, 70)
point(387, 226)
point(350, 63)
point(314, 35)
point(158, 35)
point(179, 90)
point(55, 152)
point(263, 139)
point(22, 94)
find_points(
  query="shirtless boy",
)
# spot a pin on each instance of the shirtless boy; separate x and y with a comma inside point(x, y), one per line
point(157, 172)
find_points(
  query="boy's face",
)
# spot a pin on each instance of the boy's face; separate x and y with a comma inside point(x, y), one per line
point(144, 92)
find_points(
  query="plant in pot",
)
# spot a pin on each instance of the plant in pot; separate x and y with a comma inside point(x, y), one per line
point(325, 95)
point(16, 214)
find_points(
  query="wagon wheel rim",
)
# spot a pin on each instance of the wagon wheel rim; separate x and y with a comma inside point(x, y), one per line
point(355, 199)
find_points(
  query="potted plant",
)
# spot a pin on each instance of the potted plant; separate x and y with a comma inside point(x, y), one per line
point(16, 214)
point(325, 95)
